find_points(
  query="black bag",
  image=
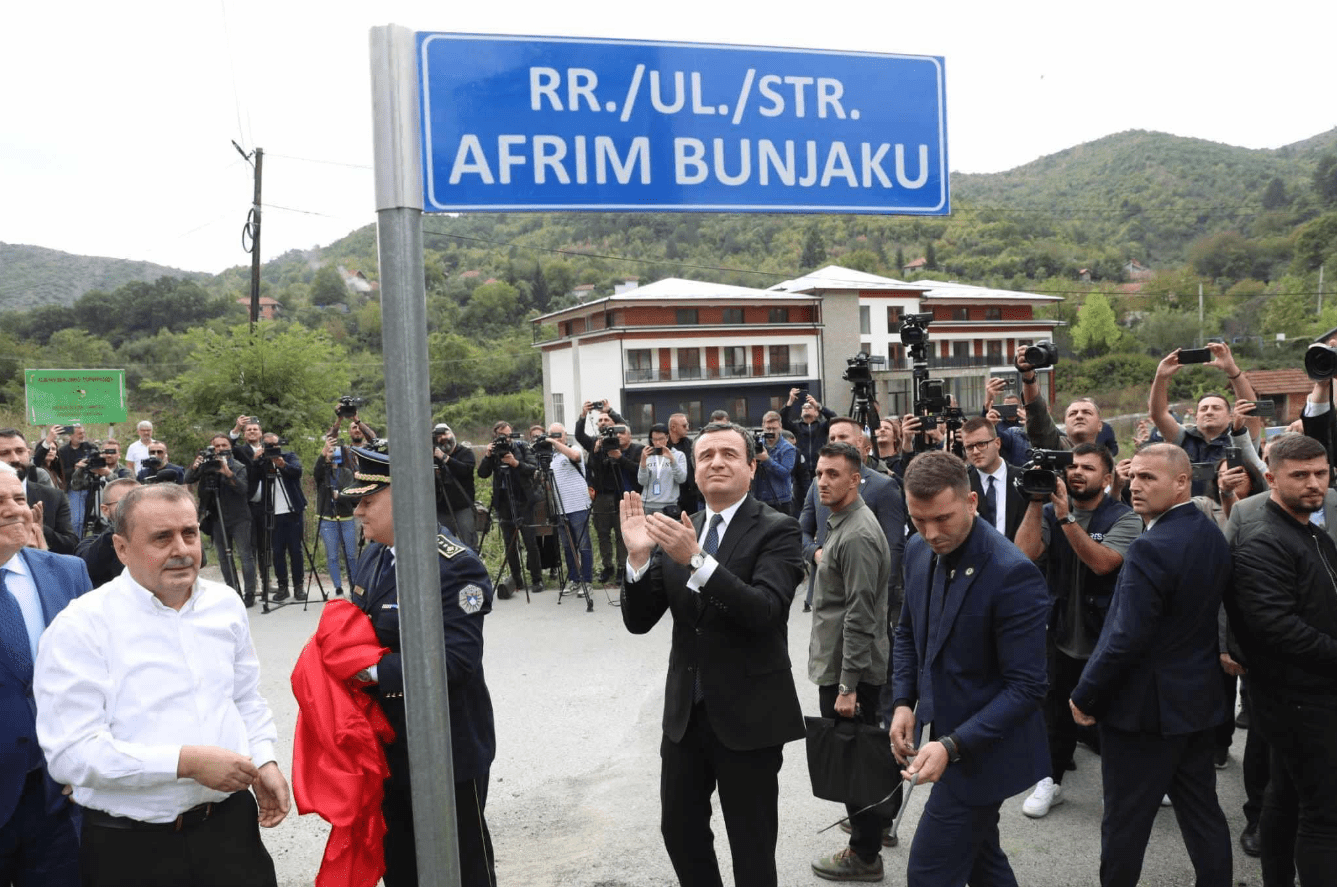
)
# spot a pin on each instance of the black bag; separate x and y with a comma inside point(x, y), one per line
point(851, 763)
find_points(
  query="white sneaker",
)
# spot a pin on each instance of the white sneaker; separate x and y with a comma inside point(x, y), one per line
point(1048, 793)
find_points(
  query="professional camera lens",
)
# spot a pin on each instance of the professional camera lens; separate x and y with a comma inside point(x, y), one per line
point(1320, 361)
point(1041, 355)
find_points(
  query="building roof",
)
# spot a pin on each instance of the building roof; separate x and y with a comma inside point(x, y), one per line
point(677, 291)
point(834, 277)
point(1279, 381)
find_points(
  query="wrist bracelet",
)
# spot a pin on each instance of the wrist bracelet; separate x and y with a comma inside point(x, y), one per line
point(1030, 381)
point(1234, 377)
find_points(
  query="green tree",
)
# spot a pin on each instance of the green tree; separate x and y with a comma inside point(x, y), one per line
point(285, 373)
point(1325, 179)
point(814, 253)
point(1275, 196)
point(930, 257)
point(327, 287)
point(1097, 330)
point(862, 260)
point(1165, 329)
point(900, 261)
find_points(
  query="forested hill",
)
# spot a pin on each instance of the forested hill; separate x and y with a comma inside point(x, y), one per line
point(31, 276)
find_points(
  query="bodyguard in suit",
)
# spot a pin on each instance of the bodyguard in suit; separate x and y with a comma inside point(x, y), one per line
point(38, 836)
point(992, 480)
point(969, 660)
point(727, 575)
point(466, 598)
point(1153, 683)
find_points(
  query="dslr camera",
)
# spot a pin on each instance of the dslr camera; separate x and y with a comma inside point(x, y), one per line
point(152, 463)
point(1041, 355)
point(347, 407)
point(1039, 476)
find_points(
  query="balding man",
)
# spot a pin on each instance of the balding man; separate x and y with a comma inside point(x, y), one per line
point(1153, 683)
point(149, 705)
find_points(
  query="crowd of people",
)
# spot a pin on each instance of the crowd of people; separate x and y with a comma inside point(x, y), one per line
point(986, 608)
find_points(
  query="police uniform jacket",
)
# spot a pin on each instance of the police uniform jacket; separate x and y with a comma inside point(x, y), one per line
point(466, 597)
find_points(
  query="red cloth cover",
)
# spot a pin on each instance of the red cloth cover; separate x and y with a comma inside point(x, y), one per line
point(338, 757)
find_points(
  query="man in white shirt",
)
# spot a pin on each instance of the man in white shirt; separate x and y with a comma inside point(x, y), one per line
point(148, 704)
point(573, 494)
point(138, 451)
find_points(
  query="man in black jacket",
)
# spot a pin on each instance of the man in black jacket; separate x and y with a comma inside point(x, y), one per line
point(810, 430)
point(1283, 612)
point(511, 465)
point(614, 465)
point(454, 465)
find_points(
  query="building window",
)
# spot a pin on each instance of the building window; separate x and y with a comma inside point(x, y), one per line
point(958, 314)
point(735, 360)
point(994, 349)
point(692, 409)
point(866, 348)
point(733, 315)
point(993, 313)
point(689, 363)
point(779, 356)
point(865, 323)
point(687, 316)
point(737, 408)
point(779, 315)
point(961, 353)
point(640, 416)
point(640, 365)
point(558, 411)
point(895, 357)
point(893, 318)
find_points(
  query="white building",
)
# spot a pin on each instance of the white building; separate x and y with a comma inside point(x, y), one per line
point(692, 346)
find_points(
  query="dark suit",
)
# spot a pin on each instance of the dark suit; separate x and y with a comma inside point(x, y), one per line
point(1154, 685)
point(1013, 503)
point(466, 598)
point(976, 671)
point(733, 634)
point(38, 842)
point(56, 527)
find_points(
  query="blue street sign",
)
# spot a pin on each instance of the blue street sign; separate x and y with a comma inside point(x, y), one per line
point(549, 123)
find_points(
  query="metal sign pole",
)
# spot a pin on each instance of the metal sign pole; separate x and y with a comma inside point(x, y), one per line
point(394, 99)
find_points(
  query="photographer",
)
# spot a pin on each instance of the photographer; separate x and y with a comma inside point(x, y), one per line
point(511, 465)
point(224, 484)
point(1206, 440)
point(334, 515)
point(662, 470)
point(773, 482)
point(68, 455)
point(454, 469)
point(91, 473)
point(155, 468)
point(614, 464)
point(810, 432)
point(97, 551)
point(359, 432)
point(573, 496)
point(1009, 421)
point(1080, 536)
point(1081, 421)
point(289, 505)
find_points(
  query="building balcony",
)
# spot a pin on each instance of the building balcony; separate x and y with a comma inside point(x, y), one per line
point(714, 374)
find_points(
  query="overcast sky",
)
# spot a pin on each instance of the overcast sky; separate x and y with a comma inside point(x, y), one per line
point(118, 117)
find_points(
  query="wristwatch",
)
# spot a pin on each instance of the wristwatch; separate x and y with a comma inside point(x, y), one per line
point(845, 691)
point(953, 748)
point(1069, 518)
point(697, 561)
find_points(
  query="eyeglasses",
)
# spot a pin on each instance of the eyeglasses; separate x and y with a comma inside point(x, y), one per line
point(972, 447)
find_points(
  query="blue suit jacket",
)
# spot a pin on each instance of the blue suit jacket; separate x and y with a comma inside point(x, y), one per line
point(1156, 668)
point(60, 578)
point(987, 666)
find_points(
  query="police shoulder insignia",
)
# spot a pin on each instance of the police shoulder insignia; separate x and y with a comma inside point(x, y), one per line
point(471, 598)
point(447, 546)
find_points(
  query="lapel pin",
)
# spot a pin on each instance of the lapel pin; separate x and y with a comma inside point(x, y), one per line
point(970, 571)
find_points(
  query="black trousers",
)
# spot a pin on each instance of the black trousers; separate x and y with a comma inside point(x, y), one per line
point(1256, 766)
point(749, 791)
point(38, 846)
point(477, 864)
point(865, 828)
point(1137, 770)
point(1298, 829)
point(1064, 675)
point(286, 543)
point(222, 851)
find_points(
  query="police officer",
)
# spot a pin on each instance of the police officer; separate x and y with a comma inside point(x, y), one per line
point(466, 597)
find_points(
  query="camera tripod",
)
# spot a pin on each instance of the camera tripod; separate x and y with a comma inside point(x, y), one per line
point(514, 536)
point(558, 520)
point(211, 509)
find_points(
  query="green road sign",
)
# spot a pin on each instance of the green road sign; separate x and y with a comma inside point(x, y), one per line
point(63, 397)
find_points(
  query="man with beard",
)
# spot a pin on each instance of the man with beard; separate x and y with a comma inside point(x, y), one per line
point(1079, 537)
point(455, 467)
point(53, 504)
point(1285, 623)
point(91, 479)
point(1081, 421)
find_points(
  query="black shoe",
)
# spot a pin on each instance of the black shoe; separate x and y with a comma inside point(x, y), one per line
point(1221, 757)
point(280, 595)
point(338, 590)
point(536, 587)
point(807, 607)
point(605, 574)
point(248, 600)
point(1249, 840)
point(299, 595)
point(1242, 719)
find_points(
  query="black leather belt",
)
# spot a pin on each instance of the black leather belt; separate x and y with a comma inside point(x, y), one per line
point(191, 818)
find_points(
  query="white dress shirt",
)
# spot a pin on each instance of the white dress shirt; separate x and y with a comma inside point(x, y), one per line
point(999, 495)
point(699, 578)
point(123, 682)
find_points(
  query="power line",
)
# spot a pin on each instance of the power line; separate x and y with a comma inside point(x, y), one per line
point(326, 162)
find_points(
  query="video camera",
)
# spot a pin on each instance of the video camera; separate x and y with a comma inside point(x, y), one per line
point(274, 450)
point(1039, 476)
point(914, 329)
point(152, 463)
point(348, 405)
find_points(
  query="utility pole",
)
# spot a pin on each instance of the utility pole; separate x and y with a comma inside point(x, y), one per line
point(251, 231)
